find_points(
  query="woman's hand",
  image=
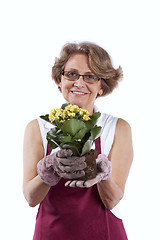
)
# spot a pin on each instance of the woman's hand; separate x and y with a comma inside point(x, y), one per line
point(104, 167)
point(60, 165)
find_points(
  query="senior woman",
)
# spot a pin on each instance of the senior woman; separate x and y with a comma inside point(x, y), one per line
point(75, 209)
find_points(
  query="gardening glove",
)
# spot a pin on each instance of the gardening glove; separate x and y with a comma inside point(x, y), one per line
point(60, 164)
point(104, 168)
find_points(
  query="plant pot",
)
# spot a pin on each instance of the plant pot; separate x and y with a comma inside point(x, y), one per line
point(91, 169)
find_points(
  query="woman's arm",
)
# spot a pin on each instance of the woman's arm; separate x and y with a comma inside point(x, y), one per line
point(121, 155)
point(34, 188)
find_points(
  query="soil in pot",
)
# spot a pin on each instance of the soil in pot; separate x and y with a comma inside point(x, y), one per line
point(91, 169)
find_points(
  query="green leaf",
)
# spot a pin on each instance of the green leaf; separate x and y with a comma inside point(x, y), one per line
point(52, 143)
point(81, 133)
point(72, 126)
point(53, 137)
point(85, 138)
point(66, 139)
point(95, 115)
point(87, 146)
point(64, 105)
point(93, 120)
point(45, 117)
point(53, 133)
point(94, 132)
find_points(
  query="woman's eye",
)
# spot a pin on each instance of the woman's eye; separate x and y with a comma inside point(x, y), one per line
point(90, 76)
point(72, 74)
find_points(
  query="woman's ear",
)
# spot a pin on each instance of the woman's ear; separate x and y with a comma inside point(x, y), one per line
point(59, 86)
point(100, 92)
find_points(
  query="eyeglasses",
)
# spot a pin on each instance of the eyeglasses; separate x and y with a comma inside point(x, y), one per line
point(73, 76)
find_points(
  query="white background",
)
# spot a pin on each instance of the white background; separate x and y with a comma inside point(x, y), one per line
point(32, 34)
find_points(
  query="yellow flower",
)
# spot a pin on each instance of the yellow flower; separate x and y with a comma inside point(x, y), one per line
point(71, 114)
point(72, 108)
point(78, 140)
point(62, 121)
point(86, 117)
point(55, 114)
point(52, 118)
point(85, 111)
point(67, 108)
point(64, 114)
point(52, 115)
point(53, 111)
point(75, 108)
point(58, 112)
point(80, 112)
point(70, 111)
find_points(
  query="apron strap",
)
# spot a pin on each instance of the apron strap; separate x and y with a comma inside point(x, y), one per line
point(98, 145)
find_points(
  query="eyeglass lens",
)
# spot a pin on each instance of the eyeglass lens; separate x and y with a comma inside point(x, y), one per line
point(75, 76)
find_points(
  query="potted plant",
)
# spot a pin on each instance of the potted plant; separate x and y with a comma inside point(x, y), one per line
point(73, 128)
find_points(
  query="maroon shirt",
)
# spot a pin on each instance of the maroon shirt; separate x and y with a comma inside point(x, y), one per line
point(76, 214)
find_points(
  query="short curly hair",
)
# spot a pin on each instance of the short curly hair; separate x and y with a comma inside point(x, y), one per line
point(99, 63)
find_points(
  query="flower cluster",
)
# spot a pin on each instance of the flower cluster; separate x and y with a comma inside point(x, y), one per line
point(69, 112)
point(73, 128)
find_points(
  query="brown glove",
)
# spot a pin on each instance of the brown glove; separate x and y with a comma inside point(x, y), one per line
point(60, 165)
point(104, 168)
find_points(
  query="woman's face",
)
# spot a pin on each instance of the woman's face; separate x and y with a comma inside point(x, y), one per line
point(79, 92)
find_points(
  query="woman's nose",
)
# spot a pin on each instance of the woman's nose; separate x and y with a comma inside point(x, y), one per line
point(80, 82)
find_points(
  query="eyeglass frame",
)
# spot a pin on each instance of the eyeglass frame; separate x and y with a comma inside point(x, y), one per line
point(83, 75)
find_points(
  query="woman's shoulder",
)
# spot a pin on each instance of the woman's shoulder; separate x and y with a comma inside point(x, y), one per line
point(32, 129)
point(38, 129)
point(32, 126)
point(123, 127)
point(36, 124)
point(123, 135)
point(32, 135)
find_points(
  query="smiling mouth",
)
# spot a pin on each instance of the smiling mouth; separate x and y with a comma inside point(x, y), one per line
point(78, 93)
